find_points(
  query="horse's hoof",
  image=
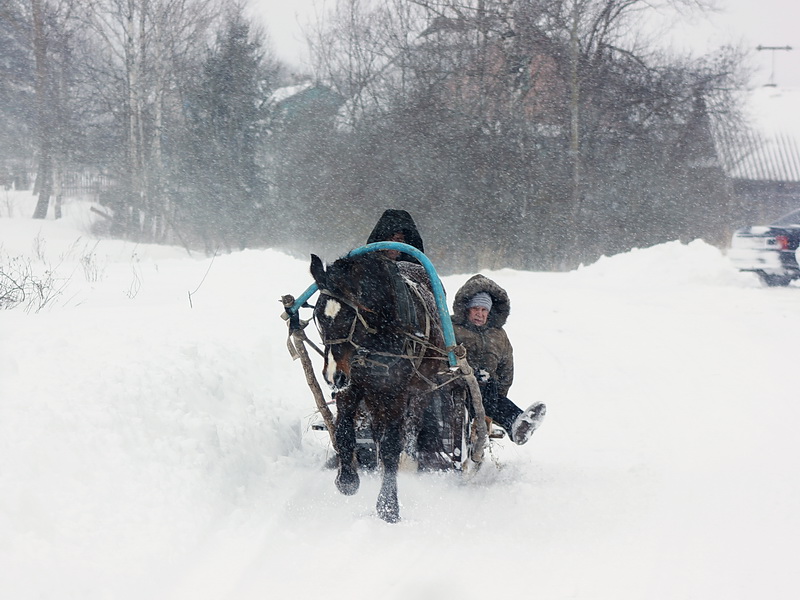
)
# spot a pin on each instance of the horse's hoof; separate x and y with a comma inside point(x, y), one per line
point(389, 516)
point(388, 511)
point(347, 484)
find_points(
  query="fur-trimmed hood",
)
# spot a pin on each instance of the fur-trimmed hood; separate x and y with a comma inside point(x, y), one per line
point(501, 305)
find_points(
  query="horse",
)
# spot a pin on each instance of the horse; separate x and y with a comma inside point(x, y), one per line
point(375, 358)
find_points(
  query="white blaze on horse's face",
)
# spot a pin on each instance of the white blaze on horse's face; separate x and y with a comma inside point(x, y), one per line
point(330, 366)
point(332, 308)
point(336, 370)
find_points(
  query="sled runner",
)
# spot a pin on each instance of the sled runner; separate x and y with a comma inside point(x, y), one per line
point(447, 419)
point(400, 382)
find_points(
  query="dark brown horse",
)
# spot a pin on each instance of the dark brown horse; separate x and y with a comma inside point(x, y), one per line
point(379, 357)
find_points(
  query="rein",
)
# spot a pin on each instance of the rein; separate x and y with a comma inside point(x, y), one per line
point(359, 317)
point(363, 354)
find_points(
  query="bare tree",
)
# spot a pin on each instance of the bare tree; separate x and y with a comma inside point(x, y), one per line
point(552, 116)
point(146, 48)
point(51, 26)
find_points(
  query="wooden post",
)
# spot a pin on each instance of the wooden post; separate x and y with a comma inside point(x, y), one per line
point(477, 403)
point(297, 349)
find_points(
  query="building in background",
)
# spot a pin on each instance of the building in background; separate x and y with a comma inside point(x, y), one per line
point(762, 158)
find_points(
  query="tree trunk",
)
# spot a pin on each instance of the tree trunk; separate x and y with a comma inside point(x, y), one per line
point(574, 109)
point(44, 177)
point(44, 182)
point(58, 189)
point(129, 217)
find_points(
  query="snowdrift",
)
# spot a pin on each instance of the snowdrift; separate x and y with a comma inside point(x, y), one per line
point(153, 447)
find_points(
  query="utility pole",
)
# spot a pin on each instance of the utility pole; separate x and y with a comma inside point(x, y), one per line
point(772, 49)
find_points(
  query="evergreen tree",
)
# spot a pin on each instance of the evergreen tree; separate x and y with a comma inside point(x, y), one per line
point(17, 93)
point(227, 123)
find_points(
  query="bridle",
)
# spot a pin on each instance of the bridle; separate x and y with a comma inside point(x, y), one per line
point(376, 358)
point(356, 319)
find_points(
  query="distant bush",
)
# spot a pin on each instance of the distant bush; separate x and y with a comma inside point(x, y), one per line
point(20, 285)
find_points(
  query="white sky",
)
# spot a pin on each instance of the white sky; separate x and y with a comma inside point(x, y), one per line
point(283, 20)
point(745, 22)
point(748, 23)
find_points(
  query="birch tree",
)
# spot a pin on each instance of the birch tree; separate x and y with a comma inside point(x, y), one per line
point(40, 31)
point(146, 50)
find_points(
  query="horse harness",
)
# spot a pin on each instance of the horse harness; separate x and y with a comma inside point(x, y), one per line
point(414, 346)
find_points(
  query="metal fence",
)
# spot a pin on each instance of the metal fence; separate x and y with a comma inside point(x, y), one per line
point(73, 183)
point(80, 183)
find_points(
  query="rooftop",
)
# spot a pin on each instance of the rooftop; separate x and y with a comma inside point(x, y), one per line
point(768, 149)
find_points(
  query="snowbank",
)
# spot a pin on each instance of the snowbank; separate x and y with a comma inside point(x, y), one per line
point(153, 448)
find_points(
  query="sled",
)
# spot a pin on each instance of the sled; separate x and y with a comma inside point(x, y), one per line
point(449, 416)
point(455, 411)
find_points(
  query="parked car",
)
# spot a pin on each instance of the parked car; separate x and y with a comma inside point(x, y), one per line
point(770, 251)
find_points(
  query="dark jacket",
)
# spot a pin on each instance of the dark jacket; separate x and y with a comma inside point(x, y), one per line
point(488, 347)
point(391, 222)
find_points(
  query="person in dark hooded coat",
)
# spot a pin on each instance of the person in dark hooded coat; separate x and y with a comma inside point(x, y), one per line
point(397, 226)
point(480, 310)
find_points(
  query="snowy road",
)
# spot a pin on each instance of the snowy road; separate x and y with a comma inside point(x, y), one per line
point(153, 450)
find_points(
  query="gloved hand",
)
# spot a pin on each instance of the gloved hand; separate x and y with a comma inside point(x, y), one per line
point(488, 386)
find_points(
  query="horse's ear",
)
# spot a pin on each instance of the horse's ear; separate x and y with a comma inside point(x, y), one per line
point(318, 270)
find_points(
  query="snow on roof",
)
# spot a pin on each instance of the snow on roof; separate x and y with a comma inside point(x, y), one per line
point(768, 148)
point(283, 93)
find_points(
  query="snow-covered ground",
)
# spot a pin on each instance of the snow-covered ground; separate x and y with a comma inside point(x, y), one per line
point(153, 448)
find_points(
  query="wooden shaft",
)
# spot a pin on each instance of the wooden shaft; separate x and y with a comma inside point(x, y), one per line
point(298, 338)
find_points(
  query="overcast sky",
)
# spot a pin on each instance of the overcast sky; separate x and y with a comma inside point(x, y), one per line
point(283, 19)
point(746, 22)
point(750, 23)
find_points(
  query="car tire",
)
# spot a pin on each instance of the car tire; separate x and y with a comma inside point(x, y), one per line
point(773, 280)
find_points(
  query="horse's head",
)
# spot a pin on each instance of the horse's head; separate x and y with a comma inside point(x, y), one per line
point(355, 309)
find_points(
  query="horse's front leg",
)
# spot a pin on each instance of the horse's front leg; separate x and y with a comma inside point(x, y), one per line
point(389, 448)
point(346, 407)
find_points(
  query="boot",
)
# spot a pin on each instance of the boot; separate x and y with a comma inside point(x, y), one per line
point(526, 423)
